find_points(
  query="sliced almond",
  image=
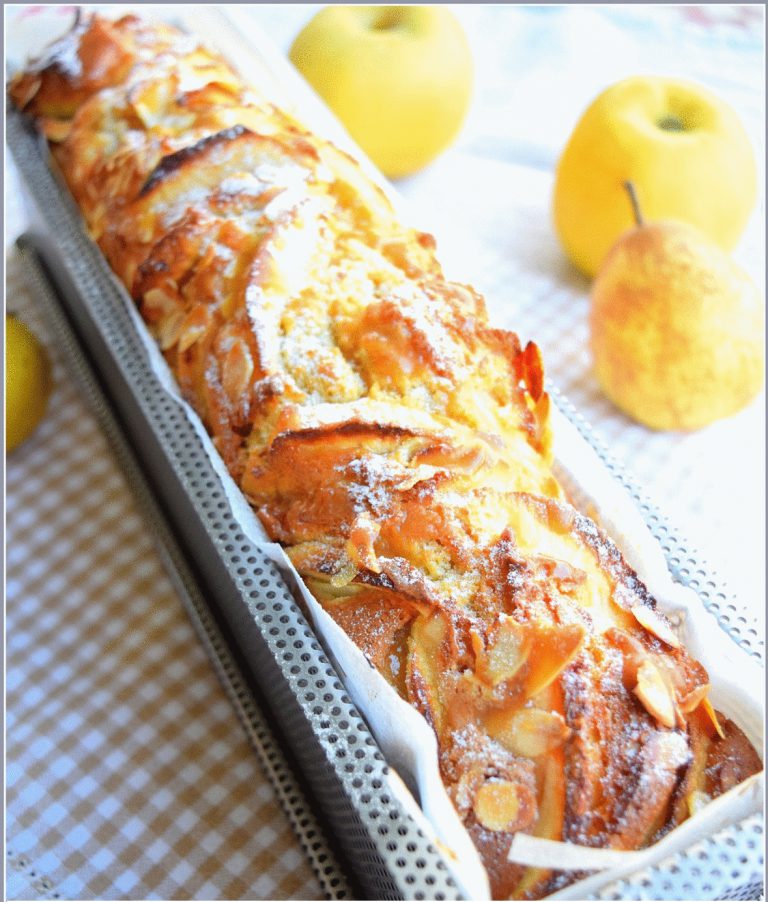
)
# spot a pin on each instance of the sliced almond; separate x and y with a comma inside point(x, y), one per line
point(531, 370)
point(655, 694)
point(553, 649)
point(657, 624)
point(237, 371)
point(567, 573)
point(56, 130)
point(532, 732)
point(193, 328)
point(24, 89)
point(507, 650)
point(707, 705)
point(691, 701)
point(170, 329)
point(463, 792)
point(503, 805)
point(149, 100)
point(497, 805)
point(420, 473)
point(196, 71)
point(158, 302)
point(424, 666)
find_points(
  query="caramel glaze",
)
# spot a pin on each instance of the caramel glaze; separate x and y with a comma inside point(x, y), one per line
point(392, 440)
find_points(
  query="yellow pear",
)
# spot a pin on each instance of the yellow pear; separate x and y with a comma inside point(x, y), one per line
point(676, 328)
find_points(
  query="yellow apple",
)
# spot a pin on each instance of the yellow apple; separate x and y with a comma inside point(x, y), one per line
point(676, 328)
point(683, 148)
point(27, 382)
point(398, 77)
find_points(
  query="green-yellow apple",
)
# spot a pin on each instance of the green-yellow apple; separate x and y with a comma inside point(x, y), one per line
point(684, 149)
point(27, 382)
point(398, 77)
point(676, 328)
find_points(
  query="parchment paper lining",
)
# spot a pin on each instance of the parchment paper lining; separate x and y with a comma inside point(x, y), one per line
point(409, 744)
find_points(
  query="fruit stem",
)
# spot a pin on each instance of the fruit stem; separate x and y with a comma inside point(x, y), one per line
point(635, 203)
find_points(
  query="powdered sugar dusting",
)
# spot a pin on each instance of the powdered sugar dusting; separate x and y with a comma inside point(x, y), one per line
point(373, 477)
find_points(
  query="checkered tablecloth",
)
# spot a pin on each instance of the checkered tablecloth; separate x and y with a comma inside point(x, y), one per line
point(128, 773)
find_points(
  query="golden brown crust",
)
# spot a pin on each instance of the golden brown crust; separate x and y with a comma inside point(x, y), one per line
point(393, 441)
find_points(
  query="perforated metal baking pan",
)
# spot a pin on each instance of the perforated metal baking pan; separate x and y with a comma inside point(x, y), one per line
point(385, 853)
point(331, 776)
point(245, 696)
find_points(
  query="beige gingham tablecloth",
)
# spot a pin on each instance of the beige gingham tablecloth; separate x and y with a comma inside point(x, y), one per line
point(128, 773)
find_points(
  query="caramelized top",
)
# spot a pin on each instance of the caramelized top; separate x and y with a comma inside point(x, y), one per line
point(392, 440)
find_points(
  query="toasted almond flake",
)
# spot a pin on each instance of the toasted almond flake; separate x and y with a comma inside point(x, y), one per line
point(56, 130)
point(507, 652)
point(149, 101)
point(416, 475)
point(655, 695)
point(170, 330)
point(691, 701)
point(497, 805)
point(195, 325)
point(657, 624)
point(532, 732)
point(237, 371)
point(707, 704)
point(24, 95)
point(553, 649)
point(425, 658)
point(465, 458)
point(160, 301)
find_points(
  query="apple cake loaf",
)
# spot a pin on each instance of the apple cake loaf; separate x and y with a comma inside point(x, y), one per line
point(393, 441)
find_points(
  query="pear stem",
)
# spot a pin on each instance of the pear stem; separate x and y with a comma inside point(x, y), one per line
point(635, 203)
